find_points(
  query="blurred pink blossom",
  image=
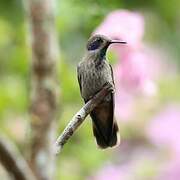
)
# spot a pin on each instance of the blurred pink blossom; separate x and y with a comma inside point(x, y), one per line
point(138, 161)
point(125, 25)
point(136, 72)
point(137, 64)
point(171, 170)
point(164, 132)
point(111, 172)
point(164, 129)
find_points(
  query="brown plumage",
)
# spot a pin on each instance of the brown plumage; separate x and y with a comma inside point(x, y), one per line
point(93, 72)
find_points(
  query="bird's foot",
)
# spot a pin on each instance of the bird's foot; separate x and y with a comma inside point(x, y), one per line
point(109, 86)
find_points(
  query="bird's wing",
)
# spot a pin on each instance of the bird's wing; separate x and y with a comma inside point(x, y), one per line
point(104, 126)
point(112, 73)
point(79, 78)
point(114, 87)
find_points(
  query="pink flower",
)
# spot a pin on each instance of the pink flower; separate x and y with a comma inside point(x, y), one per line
point(164, 129)
point(164, 132)
point(125, 25)
point(132, 168)
point(134, 72)
point(136, 66)
point(171, 171)
point(111, 172)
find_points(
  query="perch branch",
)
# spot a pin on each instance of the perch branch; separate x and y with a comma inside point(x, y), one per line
point(13, 162)
point(80, 116)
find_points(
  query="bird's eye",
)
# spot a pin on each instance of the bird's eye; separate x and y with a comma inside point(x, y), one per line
point(95, 44)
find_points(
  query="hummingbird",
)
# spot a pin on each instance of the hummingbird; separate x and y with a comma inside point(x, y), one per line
point(94, 72)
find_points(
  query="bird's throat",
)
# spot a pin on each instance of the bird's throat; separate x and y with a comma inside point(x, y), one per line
point(102, 54)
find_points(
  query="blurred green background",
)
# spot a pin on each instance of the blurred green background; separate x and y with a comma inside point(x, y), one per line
point(75, 21)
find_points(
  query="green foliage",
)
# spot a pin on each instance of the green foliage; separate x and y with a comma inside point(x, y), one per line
point(75, 21)
point(69, 83)
point(169, 89)
point(12, 10)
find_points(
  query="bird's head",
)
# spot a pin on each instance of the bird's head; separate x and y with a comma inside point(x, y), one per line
point(100, 43)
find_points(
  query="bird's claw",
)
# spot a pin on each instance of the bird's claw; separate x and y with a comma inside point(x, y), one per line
point(109, 86)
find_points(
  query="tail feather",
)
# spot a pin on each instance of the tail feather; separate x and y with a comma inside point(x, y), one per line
point(105, 129)
point(100, 139)
point(115, 138)
point(106, 141)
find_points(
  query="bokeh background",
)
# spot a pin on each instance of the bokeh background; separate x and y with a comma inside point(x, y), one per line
point(147, 80)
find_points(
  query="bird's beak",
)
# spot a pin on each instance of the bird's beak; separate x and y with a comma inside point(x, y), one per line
point(118, 41)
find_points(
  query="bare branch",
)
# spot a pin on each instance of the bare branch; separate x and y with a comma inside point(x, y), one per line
point(13, 162)
point(80, 116)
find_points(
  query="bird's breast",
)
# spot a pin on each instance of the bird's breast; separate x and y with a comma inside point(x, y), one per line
point(94, 77)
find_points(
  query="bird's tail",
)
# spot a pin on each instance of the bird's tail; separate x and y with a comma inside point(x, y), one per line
point(105, 129)
point(106, 141)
